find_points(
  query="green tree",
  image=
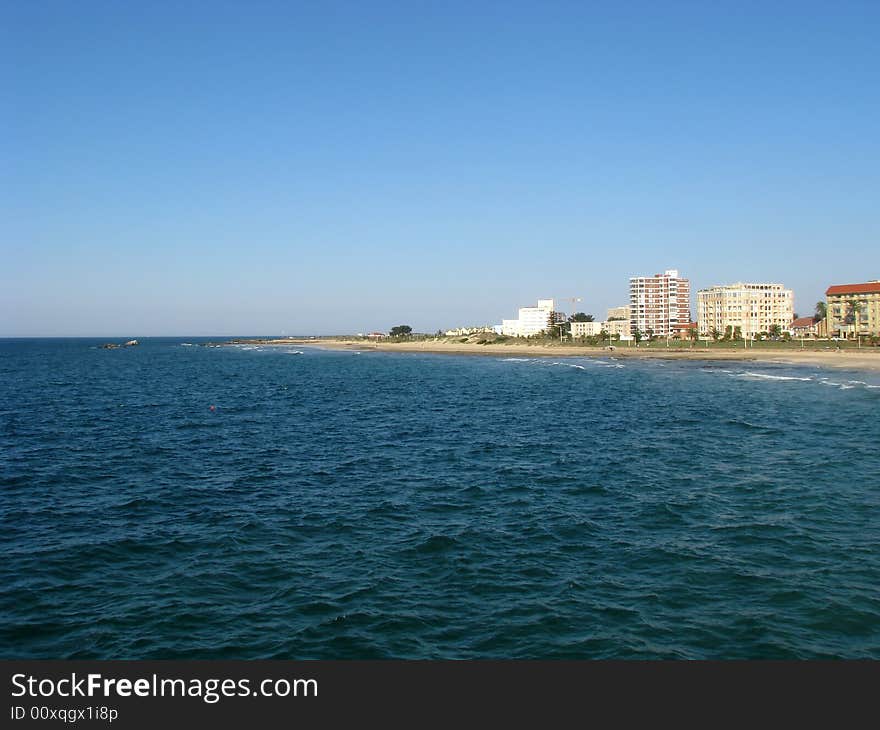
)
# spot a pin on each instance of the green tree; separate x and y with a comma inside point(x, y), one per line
point(714, 334)
point(581, 317)
point(737, 333)
point(401, 330)
point(821, 311)
point(557, 325)
point(728, 333)
point(853, 307)
point(774, 331)
point(637, 335)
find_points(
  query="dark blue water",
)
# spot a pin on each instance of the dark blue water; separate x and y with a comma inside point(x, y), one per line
point(341, 505)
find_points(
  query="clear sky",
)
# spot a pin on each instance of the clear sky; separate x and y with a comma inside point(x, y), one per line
point(259, 167)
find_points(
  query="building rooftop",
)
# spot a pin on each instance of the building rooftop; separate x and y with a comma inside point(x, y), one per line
point(744, 285)
point(870, 287)
point(803, 322)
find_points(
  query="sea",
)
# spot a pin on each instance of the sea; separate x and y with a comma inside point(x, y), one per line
point(180, 501)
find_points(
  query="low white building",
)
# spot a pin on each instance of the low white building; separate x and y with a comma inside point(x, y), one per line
point(458, 331)
point(531, 320)
point(619, 328)
point(586, 329)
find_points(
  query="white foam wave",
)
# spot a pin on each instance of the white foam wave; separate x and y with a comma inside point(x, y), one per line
point(595, 363)
point(767, 376)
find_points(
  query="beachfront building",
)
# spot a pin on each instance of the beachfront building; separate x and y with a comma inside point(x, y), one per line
point(684, 331)
point(804, 327)
point(586, 329)
point(618, 328)
point(459, 331)
point(854, 309)
point(659, 304)
point(611, 328)
point(531, 320)
point(753, 308)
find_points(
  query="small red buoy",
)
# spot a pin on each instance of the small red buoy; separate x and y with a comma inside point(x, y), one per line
point(213, 408)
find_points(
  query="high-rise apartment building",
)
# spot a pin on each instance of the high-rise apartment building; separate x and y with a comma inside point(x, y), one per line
point(752, 308)
point(660, 305)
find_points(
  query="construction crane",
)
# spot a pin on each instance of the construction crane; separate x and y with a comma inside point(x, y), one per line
point(570, 300)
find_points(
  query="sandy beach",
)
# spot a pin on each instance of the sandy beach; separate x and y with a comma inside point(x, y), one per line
point(863, 359)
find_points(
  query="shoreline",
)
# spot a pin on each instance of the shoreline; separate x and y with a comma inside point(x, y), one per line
point(846, 359)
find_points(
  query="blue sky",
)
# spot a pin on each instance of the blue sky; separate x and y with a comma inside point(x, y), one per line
point(244, 168)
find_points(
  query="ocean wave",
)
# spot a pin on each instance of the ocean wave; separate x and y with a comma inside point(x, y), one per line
point(570, 365)
point(767, 376)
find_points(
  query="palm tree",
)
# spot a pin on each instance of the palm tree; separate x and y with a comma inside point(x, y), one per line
point(821, 311)
point(854, 306)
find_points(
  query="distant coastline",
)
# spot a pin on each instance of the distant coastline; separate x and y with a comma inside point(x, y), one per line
point(818, 354)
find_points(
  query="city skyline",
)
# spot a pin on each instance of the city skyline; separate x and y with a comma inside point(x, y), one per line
point(331, 169)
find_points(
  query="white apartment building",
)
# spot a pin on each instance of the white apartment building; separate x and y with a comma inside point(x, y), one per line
point(531, 320)
point(594, 329)
point(660, 304)
point(753, 308)
point(586, 329)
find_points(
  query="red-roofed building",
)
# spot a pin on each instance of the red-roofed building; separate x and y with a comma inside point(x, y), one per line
point(684, 330)
point(803, 327)
point(854, 309)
